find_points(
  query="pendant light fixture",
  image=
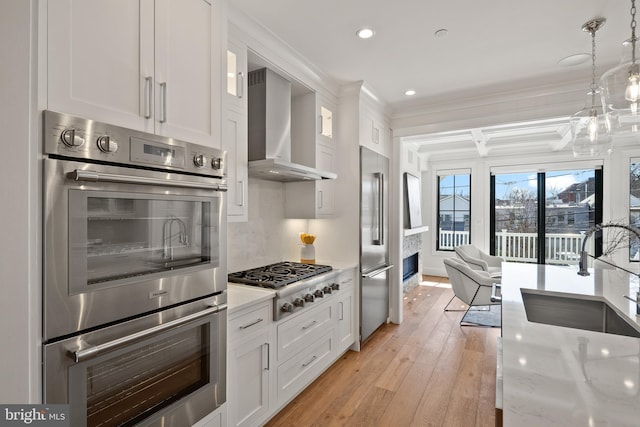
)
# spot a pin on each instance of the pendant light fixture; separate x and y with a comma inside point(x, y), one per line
point(589, 126)
point(621, 88)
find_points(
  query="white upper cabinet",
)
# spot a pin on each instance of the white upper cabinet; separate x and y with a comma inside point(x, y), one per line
point(313, 145)
point(235, 144)
point(236, 77)
point(235, 134)
point(150, 65)
point(375, 130)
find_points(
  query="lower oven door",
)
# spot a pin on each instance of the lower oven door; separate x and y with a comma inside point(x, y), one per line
point(172, 374)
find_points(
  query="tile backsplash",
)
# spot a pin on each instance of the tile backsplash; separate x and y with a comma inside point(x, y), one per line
point(267, 237)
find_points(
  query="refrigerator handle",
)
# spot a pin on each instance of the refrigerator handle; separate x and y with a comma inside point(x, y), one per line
point(377, 271)
point(380, 214)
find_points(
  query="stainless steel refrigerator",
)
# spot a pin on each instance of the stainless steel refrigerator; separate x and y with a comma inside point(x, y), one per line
point(374, 234)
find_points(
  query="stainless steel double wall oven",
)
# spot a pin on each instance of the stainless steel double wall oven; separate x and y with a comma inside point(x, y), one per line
point(134, 296)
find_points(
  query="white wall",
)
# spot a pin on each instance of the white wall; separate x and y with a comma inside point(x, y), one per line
point(19, 186)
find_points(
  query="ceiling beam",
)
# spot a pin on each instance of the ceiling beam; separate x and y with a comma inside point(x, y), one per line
point(480, 139)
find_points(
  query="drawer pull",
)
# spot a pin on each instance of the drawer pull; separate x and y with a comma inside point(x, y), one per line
point(309, 325)
point(304, 365)
point(255, 322)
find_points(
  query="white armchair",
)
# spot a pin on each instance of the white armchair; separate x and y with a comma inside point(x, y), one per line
point(478, 260)
point(473, 287)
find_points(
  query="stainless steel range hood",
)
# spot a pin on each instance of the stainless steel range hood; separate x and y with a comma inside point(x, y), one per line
point(270, 131)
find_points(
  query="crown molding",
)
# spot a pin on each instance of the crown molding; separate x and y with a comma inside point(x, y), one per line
point(274, 50)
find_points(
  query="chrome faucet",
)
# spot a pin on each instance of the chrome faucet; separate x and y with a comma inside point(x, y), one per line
point(167, 237)
point(583, 253)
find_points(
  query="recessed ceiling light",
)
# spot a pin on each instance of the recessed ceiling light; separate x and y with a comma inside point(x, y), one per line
point(365, 33)
point(577, 59)
point(410, 92)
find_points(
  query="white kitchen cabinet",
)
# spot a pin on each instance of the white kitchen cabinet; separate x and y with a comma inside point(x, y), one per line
point(249, 365)
point(305, 366)
point(235, 144)
point(297, 333)
point(375, 131)
point(345, 313)
point(235, 132)
point(150, 65)
point(236, 78)
point(313, 145)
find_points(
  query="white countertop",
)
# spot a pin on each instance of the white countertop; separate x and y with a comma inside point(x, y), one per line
point(240, 296)
point(545, 383)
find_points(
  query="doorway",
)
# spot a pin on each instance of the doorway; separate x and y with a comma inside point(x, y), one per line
point(542, 217)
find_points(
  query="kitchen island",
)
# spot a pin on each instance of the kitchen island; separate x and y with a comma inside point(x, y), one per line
point(559, 376)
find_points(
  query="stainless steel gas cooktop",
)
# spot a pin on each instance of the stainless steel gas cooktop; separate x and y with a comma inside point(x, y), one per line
point(278, 275)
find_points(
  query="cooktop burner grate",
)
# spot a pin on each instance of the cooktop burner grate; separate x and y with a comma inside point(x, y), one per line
point(278, 274)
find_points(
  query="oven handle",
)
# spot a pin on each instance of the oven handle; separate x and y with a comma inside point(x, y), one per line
point(87, 175)
point(90, 352)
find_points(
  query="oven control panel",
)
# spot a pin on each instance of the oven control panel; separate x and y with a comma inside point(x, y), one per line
point(86, 139)
point(305, 297)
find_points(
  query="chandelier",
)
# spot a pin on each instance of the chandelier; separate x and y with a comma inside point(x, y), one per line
point(621, 88)
point(590, 128)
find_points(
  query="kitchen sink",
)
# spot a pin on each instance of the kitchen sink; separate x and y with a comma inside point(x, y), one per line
point(578, 313)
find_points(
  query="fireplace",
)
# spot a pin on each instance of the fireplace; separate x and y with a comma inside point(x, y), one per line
point(411, 261)
point(409, 266)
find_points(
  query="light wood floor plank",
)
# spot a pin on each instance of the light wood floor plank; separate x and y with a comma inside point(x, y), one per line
point(428, 371)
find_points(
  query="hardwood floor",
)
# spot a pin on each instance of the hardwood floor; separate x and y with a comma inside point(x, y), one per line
point(428, 371)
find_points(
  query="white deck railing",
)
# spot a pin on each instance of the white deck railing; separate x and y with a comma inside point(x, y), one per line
point(523, 247)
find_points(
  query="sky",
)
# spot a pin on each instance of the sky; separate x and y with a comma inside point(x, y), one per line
point(556, 180)
point(505, 183)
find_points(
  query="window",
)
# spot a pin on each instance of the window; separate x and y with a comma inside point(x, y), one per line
point(541, 217)
point(454, 211)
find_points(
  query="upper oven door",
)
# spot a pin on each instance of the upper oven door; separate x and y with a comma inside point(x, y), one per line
point(121, 241)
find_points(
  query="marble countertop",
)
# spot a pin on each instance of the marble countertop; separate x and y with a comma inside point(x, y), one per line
point(241, 296)
point(546, 381)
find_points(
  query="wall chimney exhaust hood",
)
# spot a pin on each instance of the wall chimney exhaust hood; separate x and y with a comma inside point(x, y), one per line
point(270, 131)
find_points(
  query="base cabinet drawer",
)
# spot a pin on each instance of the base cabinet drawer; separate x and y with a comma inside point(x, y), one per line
point(298, 333)
point(248, 323)
point(296, 373)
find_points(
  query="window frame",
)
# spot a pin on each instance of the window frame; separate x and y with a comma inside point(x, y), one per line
point(452, 213)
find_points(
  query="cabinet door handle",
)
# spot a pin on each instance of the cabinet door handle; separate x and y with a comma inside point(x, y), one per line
point(304, 365)
point(265, 357)
point(320, 199)
point(241, 185)
point(248, 325)
point(163, 102)
point(309, 325)
point(240, 83)
point(148, 93)
point(341, 311)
